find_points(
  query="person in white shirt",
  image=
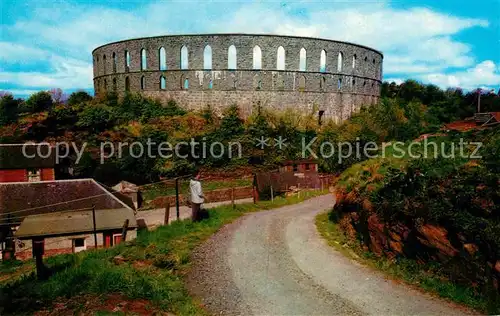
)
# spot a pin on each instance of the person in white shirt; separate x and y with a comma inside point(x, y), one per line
point(197, 197)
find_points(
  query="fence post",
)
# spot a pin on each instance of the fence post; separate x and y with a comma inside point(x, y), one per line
point(177, 197)
point(232, 196)
point(167, 213)
point(272, 194)
point(298, 188)
point(124, 230)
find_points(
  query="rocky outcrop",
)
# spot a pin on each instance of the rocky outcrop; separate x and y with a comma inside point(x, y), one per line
point(461, 258)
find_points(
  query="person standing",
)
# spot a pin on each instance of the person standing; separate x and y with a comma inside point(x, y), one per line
point(197, 197)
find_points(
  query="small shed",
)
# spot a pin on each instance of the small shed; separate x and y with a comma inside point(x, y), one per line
point(130, 190)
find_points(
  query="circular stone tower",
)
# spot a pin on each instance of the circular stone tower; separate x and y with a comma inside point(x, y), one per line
point(309, 75)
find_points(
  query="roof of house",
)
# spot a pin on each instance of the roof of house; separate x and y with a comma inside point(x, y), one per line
point(21, 199)
point(74, 222)
point(25, 156)
point(126, 187)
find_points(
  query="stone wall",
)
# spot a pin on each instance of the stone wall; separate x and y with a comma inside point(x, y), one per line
point(338, 91)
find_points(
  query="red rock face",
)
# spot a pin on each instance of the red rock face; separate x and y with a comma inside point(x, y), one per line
point(437, 237)
point(419, 242)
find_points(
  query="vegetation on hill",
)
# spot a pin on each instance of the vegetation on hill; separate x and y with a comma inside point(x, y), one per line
point(405, 111)
point(442, 211)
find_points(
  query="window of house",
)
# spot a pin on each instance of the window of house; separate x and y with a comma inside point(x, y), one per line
point(308, 167)
point(117, 238)
point(34, 175)
point(79, 244)
point(295, 168)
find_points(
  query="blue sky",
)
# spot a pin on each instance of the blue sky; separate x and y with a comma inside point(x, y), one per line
point(451, 43)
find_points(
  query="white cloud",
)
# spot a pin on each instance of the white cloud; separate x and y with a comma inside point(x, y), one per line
point(485, 74)
point(418, 42)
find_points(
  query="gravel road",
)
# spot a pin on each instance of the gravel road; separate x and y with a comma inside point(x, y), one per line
point(275, 263)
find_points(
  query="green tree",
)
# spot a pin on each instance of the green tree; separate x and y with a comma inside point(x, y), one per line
point(9, 108)
point(79, 97)
point(39, 102)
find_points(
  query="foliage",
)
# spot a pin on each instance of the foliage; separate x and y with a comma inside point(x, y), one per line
point(39, 102)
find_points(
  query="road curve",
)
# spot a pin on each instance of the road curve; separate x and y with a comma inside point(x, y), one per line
point(275, 263)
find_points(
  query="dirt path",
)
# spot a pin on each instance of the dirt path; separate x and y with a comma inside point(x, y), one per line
point(275, 263)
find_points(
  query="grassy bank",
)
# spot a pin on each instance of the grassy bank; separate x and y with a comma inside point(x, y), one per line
point(141, 276)
point(425, 276)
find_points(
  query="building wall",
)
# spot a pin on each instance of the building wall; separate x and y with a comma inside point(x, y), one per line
point(311, 90)
point(62, 245)
point(21, 175)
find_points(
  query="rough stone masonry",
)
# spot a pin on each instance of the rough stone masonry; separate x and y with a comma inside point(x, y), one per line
point(313, 76)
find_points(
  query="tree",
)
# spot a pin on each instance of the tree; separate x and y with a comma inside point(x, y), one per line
point(39, 102)
point(78, 98)
point(8, 109)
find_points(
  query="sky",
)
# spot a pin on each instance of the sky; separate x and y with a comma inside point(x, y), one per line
point(450, 43)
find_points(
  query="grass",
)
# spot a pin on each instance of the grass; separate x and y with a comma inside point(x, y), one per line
point(153, 268)
point(425, 276)
point(156, 190)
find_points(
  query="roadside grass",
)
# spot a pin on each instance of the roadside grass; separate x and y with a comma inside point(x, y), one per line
point(150, 267)
point(165, 189)
point(425, 276)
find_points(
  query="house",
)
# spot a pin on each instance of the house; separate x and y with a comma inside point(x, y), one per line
point(291, 175)
point(131, 190)
point(26, 163)
point(299, 167)
point(62, 214)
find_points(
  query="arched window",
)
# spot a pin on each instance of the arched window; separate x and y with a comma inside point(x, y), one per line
point(104, 63)
point(114, 84)
point(366, 59)
point(207, 57)
point(184, 83)
point(259, 85)
point(210, 84)
point(353, 83)
point(302, 83)
point(144, 59)
point(339, 84)
point(127, 61)
point(322, 83)
point(184, 58)
point(231, 57)
point(257, 58)
point(163, 83)
point(302, 59)
point(127, 84)
point(163, 58)
point(114, 62)
point(143, 83)
point(105, 87)
point(322, 61)
point(340, 61)
point(354, 61)
point(280, 59)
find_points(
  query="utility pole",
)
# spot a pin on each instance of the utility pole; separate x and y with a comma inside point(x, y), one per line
point(479, 100)
point(95, 232)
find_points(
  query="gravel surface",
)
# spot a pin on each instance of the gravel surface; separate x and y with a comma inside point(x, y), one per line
point(275, 263)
